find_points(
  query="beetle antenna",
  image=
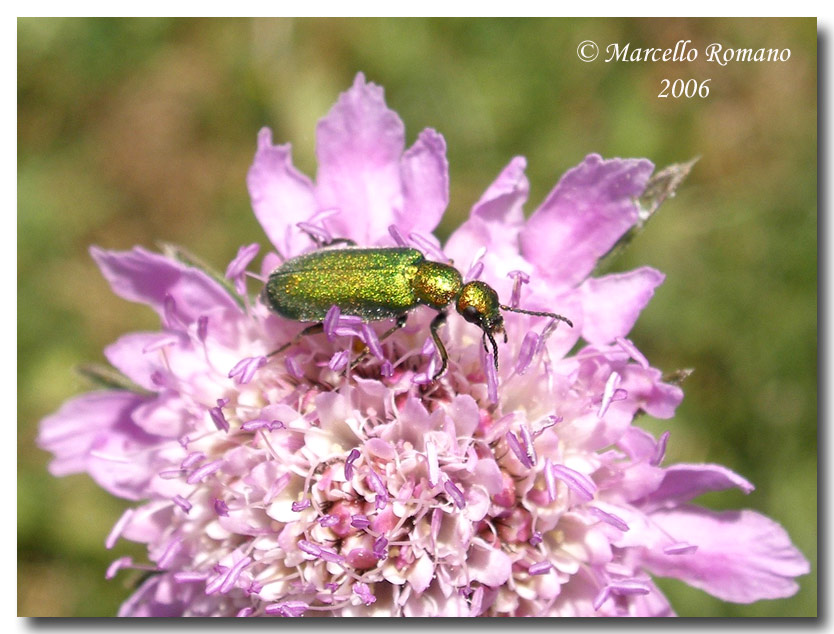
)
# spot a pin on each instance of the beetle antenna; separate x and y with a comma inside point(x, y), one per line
point(537, 313)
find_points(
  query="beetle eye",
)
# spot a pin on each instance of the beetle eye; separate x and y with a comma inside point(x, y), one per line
point(471, 314)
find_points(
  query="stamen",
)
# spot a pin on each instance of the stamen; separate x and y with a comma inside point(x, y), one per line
point(536, 539)
point(512, 441)
point(331, 320)
point(244, 612)
point(118, 564)
point(579, 483)
point(455, 493)
point(519, 278)
point(608, 518)
point(550, 421)
point(319, 234)
point(300, 505)
point(117, 529)
point(328, 520)
point(380, 548)
point(189, 576)
point(180, 501)
point(364, 592)
point(633, 352)
point(352, 457)
point(245, 369)
point(360, 521)
point(476, 601)
point(540, 568)
point(174, 547)
point(293, 368)
point(525, 353)
point(203, 472)
point(192, 459)
point(529, 450)
point(477, 265)
point(394, 231)
point(379, 488)
point(221, 508)
point(339, 360)
point(219, 418)
point(245, 255)
point(428, 247)
point(371, 340)
point(309, 547)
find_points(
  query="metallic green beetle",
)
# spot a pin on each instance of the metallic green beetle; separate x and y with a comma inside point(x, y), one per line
point(381, 283)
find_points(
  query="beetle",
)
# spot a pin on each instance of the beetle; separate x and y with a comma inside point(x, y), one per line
point(381, 283)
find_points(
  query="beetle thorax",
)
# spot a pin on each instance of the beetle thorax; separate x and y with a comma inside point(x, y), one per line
point(436, 284)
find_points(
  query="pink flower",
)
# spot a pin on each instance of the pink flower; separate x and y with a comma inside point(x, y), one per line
point(296, 484)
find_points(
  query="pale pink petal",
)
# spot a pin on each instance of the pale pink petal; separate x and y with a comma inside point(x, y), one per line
point(742, 556)
point(359, 144)
point(611, 304)
point(136, 357)
point(141, 276)
point(682, 482)
point(281, 195)
point(425, 182)
point(590, 208)
point(488, 565)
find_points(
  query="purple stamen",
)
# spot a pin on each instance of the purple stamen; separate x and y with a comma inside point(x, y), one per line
point(380, 548)
point(608, 393)
point(394, 231)
point(579, 483)
point(525, 353)
point(309, 547)
point(170, 474)
point(117, 529)
point(476, 267)
point(189, 576)
point(371, 340)
point(540, 568)
point(245, 369)
point(121, 562)
point(321, 233)
point(529, 450)
point(192, 459)
point(293, 368)
point(660, 449)
point(331, 320)
point(608, 518)
point(550, 421)
point(519, 278)
point(198, 475)
point(455, 493)
point(244, 612)
point(328, 520)
point(352, 457)
point(221, 508)
point(331, 555)
point(386, 369)
point(219, 418)
point(174, 546)
point(364, 592)
point(180, 501)
point(300, 505)
point(233, 574)
point(512, 441)
point(379, 488)
point(476, 601)
point(338, 361)
point(536, 539)
point(428, 247)
point(360, 521)
point(633, 352)
point(245, 255)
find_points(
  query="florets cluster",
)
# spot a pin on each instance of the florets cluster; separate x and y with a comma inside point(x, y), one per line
point(308, 484)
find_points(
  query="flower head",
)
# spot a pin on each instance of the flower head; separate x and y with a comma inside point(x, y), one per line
point(320, 481)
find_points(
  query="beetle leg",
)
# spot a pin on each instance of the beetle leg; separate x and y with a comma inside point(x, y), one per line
point(309, 330)
point(438, 321)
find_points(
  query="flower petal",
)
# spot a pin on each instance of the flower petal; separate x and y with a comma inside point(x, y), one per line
point(141, 276)
point(742, 556)
point(281, 195)
point(611, 304)
point(358, 145)
point(590, 208)
point(425, 184)
point(682, 482)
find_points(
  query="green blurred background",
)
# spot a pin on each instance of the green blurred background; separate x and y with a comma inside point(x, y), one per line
point(133, 131)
